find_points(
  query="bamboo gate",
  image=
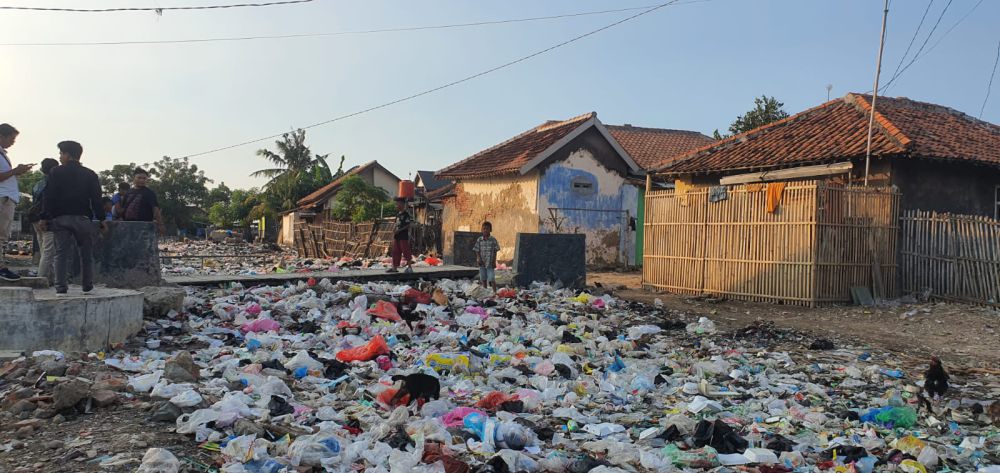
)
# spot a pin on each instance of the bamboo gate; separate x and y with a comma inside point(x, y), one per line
point(324, 238)
point(953, 257)
point(822, 240)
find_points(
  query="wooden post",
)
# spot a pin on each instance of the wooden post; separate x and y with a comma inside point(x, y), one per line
point(649, 182)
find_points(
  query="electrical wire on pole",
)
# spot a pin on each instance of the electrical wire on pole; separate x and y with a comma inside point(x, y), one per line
point(878, 71)
point(349, 32)
point(989, 86)
point(449, 84)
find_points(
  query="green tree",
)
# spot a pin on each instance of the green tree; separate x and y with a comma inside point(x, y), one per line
point(766, 110)
point(181, 189)
point(25, 183)
point(296, 171)
point(220, 193)
point(359, 201)
point(239, 209)
point(119, 173)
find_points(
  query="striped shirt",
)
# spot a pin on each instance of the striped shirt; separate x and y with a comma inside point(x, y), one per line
point(487, 249)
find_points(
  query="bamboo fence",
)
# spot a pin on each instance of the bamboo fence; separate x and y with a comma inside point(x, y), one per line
point(953, 257)
point(325, 238)
point(821, 241)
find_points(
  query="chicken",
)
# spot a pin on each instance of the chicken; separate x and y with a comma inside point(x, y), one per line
point(935, 379)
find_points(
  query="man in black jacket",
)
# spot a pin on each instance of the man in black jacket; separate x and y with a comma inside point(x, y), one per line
point(72, 203)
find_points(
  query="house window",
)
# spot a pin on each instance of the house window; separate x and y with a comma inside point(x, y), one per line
point(583, 185)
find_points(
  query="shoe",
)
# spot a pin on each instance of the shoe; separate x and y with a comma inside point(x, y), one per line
point(392, 270)
point(62, 292)
point(408, 270)
point(88, 289)
point(8, 275)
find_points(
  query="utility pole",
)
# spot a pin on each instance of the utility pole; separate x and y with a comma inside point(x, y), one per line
point(829, 87)
point(878, 71)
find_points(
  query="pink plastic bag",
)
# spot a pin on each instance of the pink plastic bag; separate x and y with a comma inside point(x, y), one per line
point(455, 417)
point(254, 309)
point(260, 325)
point(385, 310)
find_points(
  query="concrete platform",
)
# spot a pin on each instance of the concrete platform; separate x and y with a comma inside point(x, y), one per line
point(361, 275)
point(27, 281)
point(40, 320)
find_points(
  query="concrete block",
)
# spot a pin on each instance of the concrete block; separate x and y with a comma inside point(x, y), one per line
point(160, 300)
point(127, 256)
point(41, 320)
point(462, 254)
point(550, 257)
point(28, 282)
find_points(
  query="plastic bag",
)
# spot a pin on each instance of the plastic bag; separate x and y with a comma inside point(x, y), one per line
point(303, 360)
point(385, 310)
point(159, 460)
point(314, 450)
point(144, 383)
point(412, 295)
point(438, 361)
point(456, 416)
point(897, 417)
point(705, 458)
point(166, 390)
point(260, 325)
point(189, 398)
point(366, 352)
point(189, 423)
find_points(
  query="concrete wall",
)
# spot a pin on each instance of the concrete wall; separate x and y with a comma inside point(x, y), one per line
point(550, 258)
point(381, 178)
point(580, 194)
point(39, 320)
point(127, 256)
point(286, 237)
point(510, 203)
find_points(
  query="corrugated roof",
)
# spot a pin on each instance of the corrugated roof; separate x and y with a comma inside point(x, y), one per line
point(838, 130)
point(654, 148)
point(430, 182)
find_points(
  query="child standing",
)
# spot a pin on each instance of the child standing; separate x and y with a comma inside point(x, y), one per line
point(486, 249)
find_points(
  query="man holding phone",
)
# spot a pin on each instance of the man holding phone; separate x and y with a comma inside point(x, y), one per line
point(10, 195)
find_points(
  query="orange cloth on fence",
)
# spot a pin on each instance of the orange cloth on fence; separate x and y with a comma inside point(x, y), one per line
point(754, 187)
point(774, 192)
point(681, 189)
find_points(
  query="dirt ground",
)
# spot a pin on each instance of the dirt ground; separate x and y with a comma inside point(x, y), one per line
point(961, 335)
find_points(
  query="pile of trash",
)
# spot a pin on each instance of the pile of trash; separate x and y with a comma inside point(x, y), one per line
point(206, 257)
point(451, 377)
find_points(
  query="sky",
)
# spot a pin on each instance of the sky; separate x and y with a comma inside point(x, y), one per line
point(693, 66)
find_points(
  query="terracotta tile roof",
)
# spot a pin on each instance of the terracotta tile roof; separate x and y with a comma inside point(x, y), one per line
point(323, 192)
point(654, 148)
point(508, 157)
point(440, 193)
point(838, 130)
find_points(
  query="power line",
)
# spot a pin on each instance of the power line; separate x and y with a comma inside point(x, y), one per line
point(914, 37)
point(155, 9)
point(450, 84)
point(343, 33)
point(922, 46)
point(990, 85)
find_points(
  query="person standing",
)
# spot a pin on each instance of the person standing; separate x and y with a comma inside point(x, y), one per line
point(46, 239)
point(139, 204)
point(486, 249)
point(72, 201)
point(10, 195)
point(123, 188)
point(401, 238)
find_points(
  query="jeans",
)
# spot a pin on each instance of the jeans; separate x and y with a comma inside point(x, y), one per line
point(401, 248)
point(47, 250)
point(72, 232)
point(487, 274)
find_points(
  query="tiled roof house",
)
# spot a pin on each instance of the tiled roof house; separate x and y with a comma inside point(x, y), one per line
point(575, 175)
point(939, 158)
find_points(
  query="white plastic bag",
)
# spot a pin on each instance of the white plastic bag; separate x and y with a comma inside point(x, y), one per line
point(158, 460)
point(189, 398)
point(144, 383)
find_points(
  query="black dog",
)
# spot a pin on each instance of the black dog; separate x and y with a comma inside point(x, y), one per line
point(935, 379)
point(418, 386)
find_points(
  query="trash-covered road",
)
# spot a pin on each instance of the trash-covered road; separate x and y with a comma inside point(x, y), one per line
point(301, 379)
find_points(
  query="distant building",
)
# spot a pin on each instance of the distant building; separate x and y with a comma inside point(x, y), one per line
point(320, 201)
point(568, 176)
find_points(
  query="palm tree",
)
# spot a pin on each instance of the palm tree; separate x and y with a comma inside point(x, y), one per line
point(296, 170)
